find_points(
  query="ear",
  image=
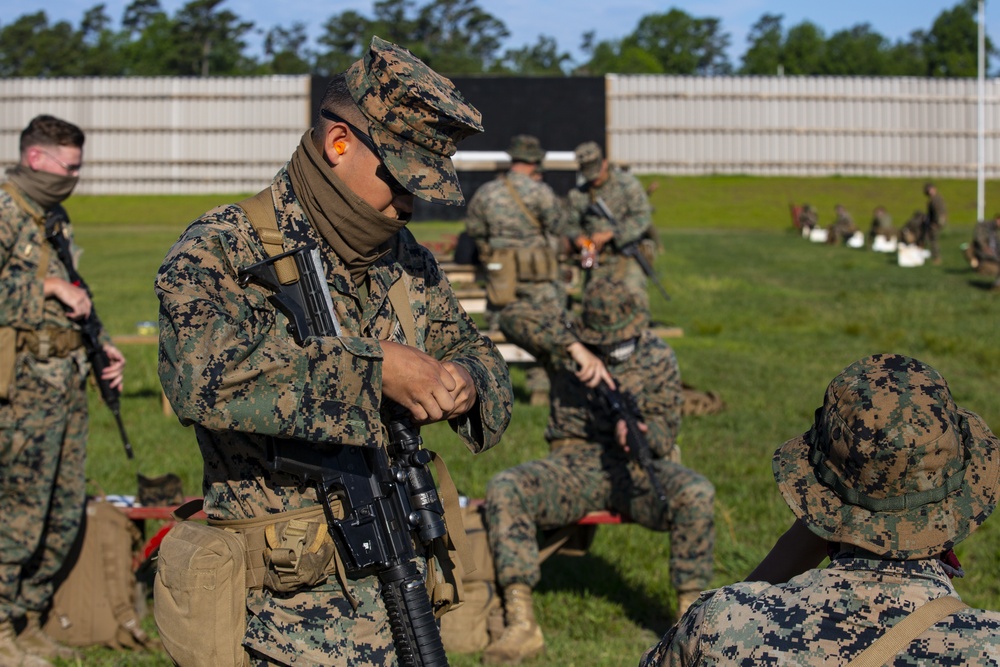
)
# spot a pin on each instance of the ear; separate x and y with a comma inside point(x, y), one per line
point(31, 156)
point(336, 143)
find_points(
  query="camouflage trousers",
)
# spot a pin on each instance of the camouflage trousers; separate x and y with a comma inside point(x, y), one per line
point(558, 490)
point(42, 482)
point(550, 295)
point(317, 627)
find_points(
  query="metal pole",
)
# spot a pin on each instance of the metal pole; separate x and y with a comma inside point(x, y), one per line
point(981, 113)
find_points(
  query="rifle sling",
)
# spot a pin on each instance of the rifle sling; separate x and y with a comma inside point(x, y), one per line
point(905, 631)
point(520, 204)
point(45, 249)
point(259, 210)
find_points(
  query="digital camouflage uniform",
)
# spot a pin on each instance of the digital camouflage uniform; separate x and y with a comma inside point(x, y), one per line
point(495, 219)
point(626, 199)
point(843, 227)
point(44, 422)
point(803, 622)
point(937, 217)
point(906, 475)
point(587, 470)
point(881, 225)
point(230, 367)
point(983, 253)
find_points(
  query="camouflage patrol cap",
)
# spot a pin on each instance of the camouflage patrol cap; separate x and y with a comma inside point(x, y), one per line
point(590, 158)
point(415, 117)
point(526, 148)
point(611, 313)
point(891, 464)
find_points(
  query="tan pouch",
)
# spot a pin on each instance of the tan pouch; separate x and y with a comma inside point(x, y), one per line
point(8, 359)
point(199, 595)
point(536, 265)
point(466, 627)
point(501, 277)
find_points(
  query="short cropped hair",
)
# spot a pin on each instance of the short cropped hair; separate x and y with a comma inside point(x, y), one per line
point(48, 130)
point(337, 98)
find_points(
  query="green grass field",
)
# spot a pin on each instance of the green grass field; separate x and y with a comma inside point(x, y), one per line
point(768, 320)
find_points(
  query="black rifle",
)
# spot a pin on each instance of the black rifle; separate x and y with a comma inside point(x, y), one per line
point(623, 407)
point(90, 326)
point(387, 494)
point(598, 207)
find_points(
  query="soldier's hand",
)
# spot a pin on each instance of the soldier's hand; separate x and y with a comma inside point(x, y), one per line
point(600, 239)
point(591, 370)
point(115, 371)
point(418, 382)
point(621, 433)
point(464, 393)
point(75, 299)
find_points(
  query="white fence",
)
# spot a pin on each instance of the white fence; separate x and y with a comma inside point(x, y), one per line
point(167, 134)
point(187, 135)
point(801, 126)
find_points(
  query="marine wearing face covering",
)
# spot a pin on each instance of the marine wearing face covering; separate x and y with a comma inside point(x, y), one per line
point(385, 133)
point(43, 398)
point(588, 469)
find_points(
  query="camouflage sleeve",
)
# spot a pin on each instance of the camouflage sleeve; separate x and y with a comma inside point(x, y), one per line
point(661, 399)
point(680, 646)
point(533, 326)
point(225, 365)
point(475, 224)
point(638, 216)
point(575, 204)
point(452, 336)
point(23, 297)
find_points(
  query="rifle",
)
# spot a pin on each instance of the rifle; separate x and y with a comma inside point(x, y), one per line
point(624, 407)
point(90, 326)
point(598, 207)
point(388, 494)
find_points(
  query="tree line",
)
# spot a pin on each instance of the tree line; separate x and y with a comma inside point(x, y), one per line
point(458, 37)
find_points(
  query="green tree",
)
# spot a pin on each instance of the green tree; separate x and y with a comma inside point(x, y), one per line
point(457, 37)
point(102, 52)
point(208, 40)
point(765, 54)
point(805, 46)
point(857, 51)
point(31, 47)
point(286, 49)
point(672, 43)
point(952, 45)
point(908, 58)
point(344, 37)
point(541, 58)
point(683, 44)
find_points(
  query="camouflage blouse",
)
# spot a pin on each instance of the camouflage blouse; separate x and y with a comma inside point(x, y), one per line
point(230, 367)
point(827, 617)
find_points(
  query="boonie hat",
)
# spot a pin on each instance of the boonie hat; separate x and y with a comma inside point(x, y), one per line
point(611, 313)
point(590, 158)
point(526, 148)
point(416, 116)
point(891, 464)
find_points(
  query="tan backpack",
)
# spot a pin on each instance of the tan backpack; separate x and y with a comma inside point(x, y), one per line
point(97, 599)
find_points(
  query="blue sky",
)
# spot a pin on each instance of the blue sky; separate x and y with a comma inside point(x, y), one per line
point(567, 20)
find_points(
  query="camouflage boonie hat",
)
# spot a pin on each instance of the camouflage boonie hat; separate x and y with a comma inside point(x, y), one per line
point(891, 464)
point(611, 313)
point(526, 148)
point(590, 158)
point(415, 116)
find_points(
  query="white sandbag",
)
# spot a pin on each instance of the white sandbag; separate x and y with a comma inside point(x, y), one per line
point(817, 235)
point(910, 255)
point(857, 240)
point(884, 244)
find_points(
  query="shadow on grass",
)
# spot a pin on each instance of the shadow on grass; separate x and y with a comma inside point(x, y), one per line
point(591, 575)
point(984, 285)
